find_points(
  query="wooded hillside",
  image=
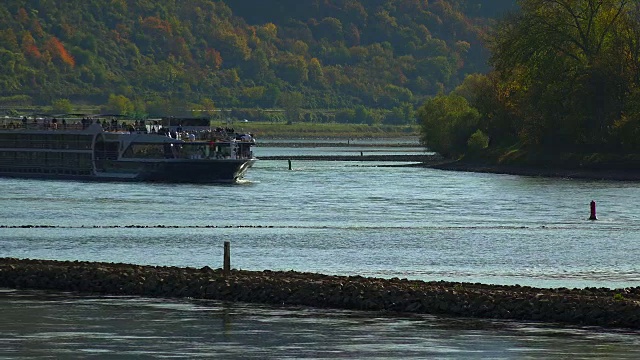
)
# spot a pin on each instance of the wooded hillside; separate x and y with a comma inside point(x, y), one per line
point(163, 55)
point(566, 78)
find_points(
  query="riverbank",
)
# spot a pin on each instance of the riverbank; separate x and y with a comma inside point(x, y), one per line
point(616, 308)
point(544, 163)
point(305, 130)
point(538, 171)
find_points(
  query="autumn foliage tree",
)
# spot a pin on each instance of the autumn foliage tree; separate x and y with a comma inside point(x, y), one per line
point(571, 66)
point(29, 46)
point(214, 58)
point(58, 51)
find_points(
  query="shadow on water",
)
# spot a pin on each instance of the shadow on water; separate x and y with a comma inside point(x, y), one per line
point(44, 324)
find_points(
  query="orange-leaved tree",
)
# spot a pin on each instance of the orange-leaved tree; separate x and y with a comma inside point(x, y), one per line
point(57, 50)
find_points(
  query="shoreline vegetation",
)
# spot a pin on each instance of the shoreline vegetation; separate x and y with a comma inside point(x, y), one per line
point(611, 308)
point(335, 131)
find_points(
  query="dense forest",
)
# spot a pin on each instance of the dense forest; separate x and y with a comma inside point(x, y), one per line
point(565, 78)
point(366, 60)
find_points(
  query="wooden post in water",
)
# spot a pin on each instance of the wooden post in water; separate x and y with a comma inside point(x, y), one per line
point(226, 267)
point(593, 211)
point(289, 164)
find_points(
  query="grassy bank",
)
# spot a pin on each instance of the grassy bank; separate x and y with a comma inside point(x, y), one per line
point(267, 130)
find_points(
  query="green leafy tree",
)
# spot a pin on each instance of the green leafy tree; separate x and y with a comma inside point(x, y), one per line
point(292, 105)
point(330, 29)
point(364, 115)
point(492, 98)
point(258, 67)
point(316, 74)
point(270, 98)
point(392, 96)
point(400, 115)
point(208, 107)
point(447, 122)
point(477, 142)
point(293, 69)
point(61, 106)
point(139, 110)
point(346, 116)
point(119, 104)
point(563, 60)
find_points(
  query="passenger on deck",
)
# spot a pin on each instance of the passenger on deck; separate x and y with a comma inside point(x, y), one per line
point(168, 151)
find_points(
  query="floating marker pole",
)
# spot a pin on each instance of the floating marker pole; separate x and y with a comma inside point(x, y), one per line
point(289, 164)
point(593, 211)
point(226, 267)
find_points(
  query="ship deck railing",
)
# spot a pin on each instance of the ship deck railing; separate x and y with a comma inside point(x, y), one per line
point(42, 125)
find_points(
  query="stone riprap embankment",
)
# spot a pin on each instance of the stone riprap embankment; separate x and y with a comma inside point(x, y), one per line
point(589, 306)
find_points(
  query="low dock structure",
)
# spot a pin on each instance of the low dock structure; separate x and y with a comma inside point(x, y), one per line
point(619, 308)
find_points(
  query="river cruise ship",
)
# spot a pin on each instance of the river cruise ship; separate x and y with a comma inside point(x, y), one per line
point(105, 149)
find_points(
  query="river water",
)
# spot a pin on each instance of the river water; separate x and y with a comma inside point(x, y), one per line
point(342, 218)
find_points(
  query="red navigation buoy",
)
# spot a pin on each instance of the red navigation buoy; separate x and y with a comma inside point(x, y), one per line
point(593, 211)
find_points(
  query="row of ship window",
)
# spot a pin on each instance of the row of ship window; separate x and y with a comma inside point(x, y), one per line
point(44, 158)
point(71, 142)
point(40, 170)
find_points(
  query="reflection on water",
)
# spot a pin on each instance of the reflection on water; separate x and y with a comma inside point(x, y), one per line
point(57, 325)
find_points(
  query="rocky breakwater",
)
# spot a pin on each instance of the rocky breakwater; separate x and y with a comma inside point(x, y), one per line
point(589, 306)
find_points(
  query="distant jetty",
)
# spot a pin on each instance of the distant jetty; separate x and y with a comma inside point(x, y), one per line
point(616, 308)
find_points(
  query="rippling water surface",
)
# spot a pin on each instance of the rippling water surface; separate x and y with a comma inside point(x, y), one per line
point(54, 325)
point(336, 218)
